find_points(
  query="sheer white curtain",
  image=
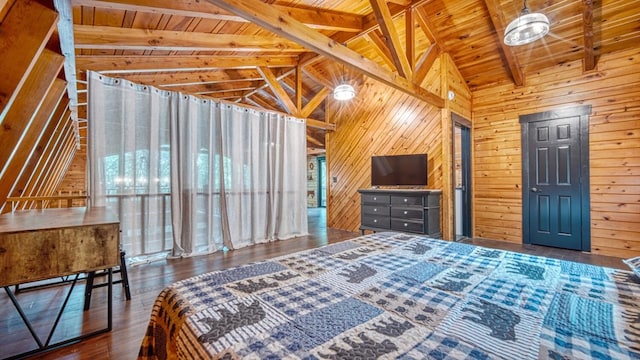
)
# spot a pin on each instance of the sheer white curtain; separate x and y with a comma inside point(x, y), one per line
point(236, 176)
point(128, 156)
point(241, 175)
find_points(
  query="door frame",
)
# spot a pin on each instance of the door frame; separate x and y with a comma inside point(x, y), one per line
point(582, 112)
point(467, 228)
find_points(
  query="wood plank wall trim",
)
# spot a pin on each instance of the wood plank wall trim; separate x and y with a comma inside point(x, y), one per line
point(613, 91)
point(25, 32)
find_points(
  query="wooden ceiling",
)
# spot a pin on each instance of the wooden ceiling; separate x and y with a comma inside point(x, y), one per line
point(289, 55)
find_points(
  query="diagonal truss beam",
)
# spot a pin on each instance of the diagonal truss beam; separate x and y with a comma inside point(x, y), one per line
point(284, 25)
point(497, 17)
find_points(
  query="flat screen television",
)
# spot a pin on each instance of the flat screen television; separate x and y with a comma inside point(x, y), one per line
point(399, 170)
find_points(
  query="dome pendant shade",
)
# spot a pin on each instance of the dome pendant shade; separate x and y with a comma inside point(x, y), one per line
point(344, 92)
point(526, 28)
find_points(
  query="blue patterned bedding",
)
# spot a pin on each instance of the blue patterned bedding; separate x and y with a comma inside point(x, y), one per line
point(391, 295)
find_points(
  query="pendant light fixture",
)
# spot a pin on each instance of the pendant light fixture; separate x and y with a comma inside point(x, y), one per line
point(526, 28)
point(344, 91)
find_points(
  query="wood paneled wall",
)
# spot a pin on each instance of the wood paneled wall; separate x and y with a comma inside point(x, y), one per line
point(382, 121)
point(613, 91)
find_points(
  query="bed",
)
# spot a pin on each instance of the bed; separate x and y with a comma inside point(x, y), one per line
point(391, 295)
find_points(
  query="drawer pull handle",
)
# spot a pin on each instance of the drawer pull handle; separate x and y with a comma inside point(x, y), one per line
point(405, 200)
point(375, 220)
point(405, 224)
point(406, 212)
point(375, 198)
point(375, 209)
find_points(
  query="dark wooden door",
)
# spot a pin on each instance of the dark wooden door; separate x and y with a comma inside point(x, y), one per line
point(554, 183)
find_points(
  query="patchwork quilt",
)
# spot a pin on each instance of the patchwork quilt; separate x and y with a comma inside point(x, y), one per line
point(390, 295)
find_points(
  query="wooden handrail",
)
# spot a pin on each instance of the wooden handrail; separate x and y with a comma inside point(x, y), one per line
point(45, 201)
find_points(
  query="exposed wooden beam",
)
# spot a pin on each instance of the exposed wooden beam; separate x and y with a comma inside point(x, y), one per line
point(298, 89)
point(278, 90)
point(376, 39)
point(262, 103)
point(314, 102)
point(31, 96)
point(193, 77)
point(110, 37)
point(218, 87)
point(15, 167)
point(24, 33)
point(321, 125)
point(410, 37)
point(284, 25)
point(423, 20)
point(314, 141)
point(587, 24)
point(391, 37)
point(29, 169)
point(425, 62)
point(67, 46)
point(316, 76)
point(497, 18)
point(107, 64)
point(314, 18)
point(5, 5)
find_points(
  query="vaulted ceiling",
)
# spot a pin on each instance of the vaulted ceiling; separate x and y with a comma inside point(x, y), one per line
point(289, 55)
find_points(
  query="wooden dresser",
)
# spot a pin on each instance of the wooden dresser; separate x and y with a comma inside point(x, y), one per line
point(405, 210)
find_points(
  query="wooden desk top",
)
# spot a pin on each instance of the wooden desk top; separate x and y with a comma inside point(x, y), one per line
point(42, 244)
point(42, 219)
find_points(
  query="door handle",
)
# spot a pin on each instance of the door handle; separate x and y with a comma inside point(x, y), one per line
point(534, 190)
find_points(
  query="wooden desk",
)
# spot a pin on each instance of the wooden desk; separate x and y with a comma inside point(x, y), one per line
point(49, 243)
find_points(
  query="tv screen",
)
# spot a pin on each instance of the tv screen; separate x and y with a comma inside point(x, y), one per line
point(399, 170)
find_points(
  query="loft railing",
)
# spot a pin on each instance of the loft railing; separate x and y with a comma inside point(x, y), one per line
point(42, 202)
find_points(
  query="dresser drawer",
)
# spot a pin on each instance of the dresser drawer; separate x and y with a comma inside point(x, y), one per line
point(375, 199)
point(407, 225)
point(376, 210)
point(375, 221)
point(416, 214)
point(407, 200)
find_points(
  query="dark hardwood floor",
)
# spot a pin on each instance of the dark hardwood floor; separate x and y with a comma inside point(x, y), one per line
point(130, 317)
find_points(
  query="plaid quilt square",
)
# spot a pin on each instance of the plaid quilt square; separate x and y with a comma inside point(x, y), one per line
point(459, 248)
point(385, 337)
point(355, 254)
point(512, 294)
point(420, 248)
point(564, 344)
point(318, 327)
point(333, 249)
point(353, 278)
point(455, 280)
point(510, 332)
point(383, 240)
point(302, 265)
point(238, 273)
point(260, 284)
point(628, 288)
point(581, 316)
point(388, 261)
point(442, 347)
point(583, 270)
point(532, 259)
point(220, 327)
point(302, 298)
point(421, 272)
point(420, 293)
point(405, 307)
point(488, 253)
point(536, 273)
